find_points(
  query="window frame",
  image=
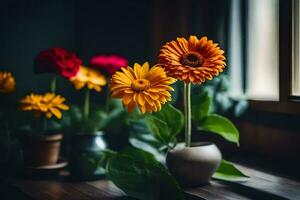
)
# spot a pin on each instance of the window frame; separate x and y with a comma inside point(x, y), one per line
point(287, 102)
point(295, 45)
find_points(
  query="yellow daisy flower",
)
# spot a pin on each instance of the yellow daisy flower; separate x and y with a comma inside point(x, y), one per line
point(192, 60)
point(7, 82)
point(49, 104)
point(89, 77)
point(142, 87)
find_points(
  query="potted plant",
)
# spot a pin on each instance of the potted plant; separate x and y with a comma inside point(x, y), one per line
point(192, 61)
point(192, 164)
point(7, 86)
point(115, 120)
point(146, 178)
point(89, 123)
point(87, 141)
point(41, 146)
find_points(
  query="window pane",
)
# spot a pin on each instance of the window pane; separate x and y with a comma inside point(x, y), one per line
point(296, 52)
point(235, 58)
point(262, 51)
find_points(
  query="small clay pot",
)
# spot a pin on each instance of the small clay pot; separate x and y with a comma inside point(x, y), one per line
point(195, 165)
point(41, 150)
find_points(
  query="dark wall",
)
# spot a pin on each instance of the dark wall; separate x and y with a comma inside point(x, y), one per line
point(86, 27)
point(121, 27)
point(135, 29)
point(27, 27)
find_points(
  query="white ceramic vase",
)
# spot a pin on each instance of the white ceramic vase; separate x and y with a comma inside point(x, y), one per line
point(195, 165)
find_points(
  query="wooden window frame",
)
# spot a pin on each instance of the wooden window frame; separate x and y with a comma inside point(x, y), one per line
point(287, 103)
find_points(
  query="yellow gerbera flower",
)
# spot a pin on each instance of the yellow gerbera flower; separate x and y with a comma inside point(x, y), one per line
point(139, 86)
point(49, 104)
point(91, 78)
point(193, 60)
point(7, 82)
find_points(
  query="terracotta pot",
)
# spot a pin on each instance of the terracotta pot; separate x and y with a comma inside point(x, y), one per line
point(195, 165)
point(41, 150)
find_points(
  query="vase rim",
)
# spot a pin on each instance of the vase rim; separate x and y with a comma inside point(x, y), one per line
point(46, 137)
point(195, 144)
point(205, 143)
point(96, 133)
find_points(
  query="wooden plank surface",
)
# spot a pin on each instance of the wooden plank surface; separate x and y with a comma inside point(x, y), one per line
point(56, 190)
point(273, 184)
point(261, 185)
point(215, 191)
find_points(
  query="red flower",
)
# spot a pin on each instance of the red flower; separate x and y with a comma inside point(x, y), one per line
point(109, 63)
point(59, 61)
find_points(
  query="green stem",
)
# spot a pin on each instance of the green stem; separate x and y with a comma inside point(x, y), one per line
point(107, 100)
point(42, 124)
point(187, 114)
point(86, 105)
point(53, 84)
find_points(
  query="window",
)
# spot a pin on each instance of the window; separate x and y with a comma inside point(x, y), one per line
point(259, 64)
point(235, 60)
point(295, 50)
point(263, 50)
point(264, 53)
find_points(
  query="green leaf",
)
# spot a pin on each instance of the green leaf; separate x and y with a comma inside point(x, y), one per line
point(222, 126)
point(98, 119)
point(166, 124)
point(141, 138)
point(223, 101)
point(142, 177)
point(114, 119)
point(158, 128)
point(140, 156)
point(140, 131)
point(240, 108)
point(75, 113)
point(201, 106)
point(145, 145)
point(107, 154)
point(91, 162)
point(173, 117)
point(228, 172)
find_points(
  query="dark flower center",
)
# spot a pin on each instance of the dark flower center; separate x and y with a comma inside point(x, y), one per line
point(140, 85)
point(192, 59)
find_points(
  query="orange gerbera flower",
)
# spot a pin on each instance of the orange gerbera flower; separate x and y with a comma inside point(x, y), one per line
point(49, 104)
point(142, 87)
point(193, 60)
point(88, 77)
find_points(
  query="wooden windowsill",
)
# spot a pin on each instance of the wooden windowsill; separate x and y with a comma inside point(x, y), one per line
point(261, 185)
point(289, 107)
